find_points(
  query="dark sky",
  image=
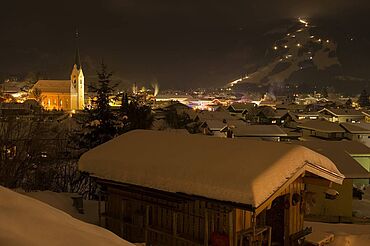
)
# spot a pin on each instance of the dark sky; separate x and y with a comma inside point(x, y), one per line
point(179, 43)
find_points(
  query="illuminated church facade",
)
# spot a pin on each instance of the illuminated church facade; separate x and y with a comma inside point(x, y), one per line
point(64, 94)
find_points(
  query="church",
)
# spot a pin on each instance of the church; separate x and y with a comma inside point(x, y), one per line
point(65, 95)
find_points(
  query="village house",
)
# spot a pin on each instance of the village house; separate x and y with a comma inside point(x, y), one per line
point(165, 188)
point(258, 132)
point(321, 129)
point(341, 115)
point(367, 116)
point(17, 109)
point(241, 109)
point(343, 154)
point(359, 132)
point(266, 115)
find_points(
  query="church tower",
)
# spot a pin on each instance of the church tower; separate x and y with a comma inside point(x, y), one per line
point(77, 81)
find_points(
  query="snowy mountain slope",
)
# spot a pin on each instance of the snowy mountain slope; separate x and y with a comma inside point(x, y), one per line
point(298, 50)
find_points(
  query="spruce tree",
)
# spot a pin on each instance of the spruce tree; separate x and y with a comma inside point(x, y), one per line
point(102, 123)
point(364, 99)
point(324, 92)
point(124, 104)
point(349, 103)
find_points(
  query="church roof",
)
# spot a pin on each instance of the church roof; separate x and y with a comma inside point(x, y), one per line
point(56, 86)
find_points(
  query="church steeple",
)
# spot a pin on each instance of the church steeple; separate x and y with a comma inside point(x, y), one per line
point(77, 81)
point(77, 55)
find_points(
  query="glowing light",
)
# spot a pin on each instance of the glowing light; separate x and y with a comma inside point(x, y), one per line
point(275, 47)
point(237, 81)
point(303, 21)
point(298, 45)
point(319, 40)
point(327, 41)
point(285, 46)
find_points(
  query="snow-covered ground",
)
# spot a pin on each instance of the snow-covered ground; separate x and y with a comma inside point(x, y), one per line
point(344, 234)
point(348, 234)
point(29, 222)
point(63, 201)
point(361, 208)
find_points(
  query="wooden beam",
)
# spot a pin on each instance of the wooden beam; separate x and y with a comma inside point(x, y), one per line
point(206, 236)
point(174, 227)
point(278, 192)
point(99, 208)
point(316, 181)
point(146, 223)
point(231, 227)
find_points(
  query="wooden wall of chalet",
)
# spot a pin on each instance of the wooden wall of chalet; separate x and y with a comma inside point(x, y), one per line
point(167, 220)
point(160, 221)
point(294, 214)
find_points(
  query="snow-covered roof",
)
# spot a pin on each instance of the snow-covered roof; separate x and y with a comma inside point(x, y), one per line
point(320, 125)
point(56, 86)
point(340, 153)
point(241, 106)
point(214, 125)
point(235, 170)
point(25, 221)
point(342, 112)
point(356, 127)
point(259, 130)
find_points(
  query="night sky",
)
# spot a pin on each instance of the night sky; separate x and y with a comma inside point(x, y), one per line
point(180, 44)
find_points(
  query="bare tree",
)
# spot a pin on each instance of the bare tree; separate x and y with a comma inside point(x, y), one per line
point(35, 155)
point(37, 94)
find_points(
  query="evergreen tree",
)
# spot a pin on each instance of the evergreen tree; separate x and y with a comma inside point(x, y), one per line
point(101, 123)
point(349, 103)
point(364, 99)
point(324, 92)
point(124, 104)
point(139, 116)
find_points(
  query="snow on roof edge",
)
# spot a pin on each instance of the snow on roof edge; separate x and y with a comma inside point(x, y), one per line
point(199, 174)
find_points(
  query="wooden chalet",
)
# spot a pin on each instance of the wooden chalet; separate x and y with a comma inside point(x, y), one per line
point(164, 188)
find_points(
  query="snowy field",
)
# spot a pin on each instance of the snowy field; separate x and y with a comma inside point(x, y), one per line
point(344, 234)
point(349, 234)
point(361, 208)
point(63, 201)
point(25, 221)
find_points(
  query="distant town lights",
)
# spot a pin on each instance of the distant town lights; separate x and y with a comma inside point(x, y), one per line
point(285, 46)
point(275, 47)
